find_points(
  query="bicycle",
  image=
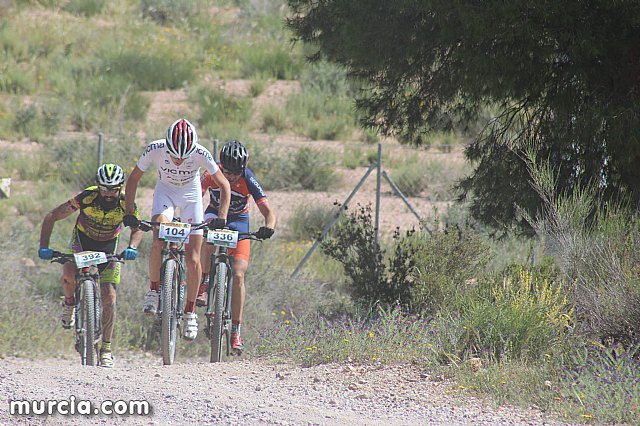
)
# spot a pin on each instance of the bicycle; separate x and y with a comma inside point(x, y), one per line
point(219, 291)
point(172, 281)
point(88, 306)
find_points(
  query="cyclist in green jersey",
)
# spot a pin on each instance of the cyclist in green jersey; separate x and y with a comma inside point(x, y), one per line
point(97, 228)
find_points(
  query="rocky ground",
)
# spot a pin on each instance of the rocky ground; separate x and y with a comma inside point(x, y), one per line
point(251, 392)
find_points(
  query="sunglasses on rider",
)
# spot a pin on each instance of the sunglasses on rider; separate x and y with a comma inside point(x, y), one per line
point(111, 189)
point(232, 172)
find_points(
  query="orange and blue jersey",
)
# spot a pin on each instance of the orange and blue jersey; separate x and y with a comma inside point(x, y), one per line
point(245, 188)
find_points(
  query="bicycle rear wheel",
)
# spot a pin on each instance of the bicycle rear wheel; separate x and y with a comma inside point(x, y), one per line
point(217, 332)
point(87, 329)
point(169, 318)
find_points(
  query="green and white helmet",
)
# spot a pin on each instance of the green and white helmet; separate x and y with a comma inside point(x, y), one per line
point(110, 175)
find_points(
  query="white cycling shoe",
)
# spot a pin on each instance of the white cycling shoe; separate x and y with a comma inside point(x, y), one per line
point(190, 325)
point(68, 317)
point(151, 302)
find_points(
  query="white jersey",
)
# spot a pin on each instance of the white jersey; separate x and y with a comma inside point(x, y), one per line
point(178, 176)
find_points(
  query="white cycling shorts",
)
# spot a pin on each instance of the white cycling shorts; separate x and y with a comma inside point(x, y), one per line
point(188, 198)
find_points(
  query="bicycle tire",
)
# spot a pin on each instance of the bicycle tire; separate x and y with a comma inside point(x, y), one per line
point(169, 319)
point(88, 353)
point(217, 333)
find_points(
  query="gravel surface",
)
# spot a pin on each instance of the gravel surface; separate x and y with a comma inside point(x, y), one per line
point(250, 392)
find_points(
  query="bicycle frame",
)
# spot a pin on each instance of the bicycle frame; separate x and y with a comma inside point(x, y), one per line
point(87, 295)
point(172, 294)
point(88, 305)
point(221, 280)
point(219, 298)
point(172, 286)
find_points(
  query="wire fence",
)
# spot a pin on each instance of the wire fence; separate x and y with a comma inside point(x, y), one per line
point(415, 172)
point(76, 159)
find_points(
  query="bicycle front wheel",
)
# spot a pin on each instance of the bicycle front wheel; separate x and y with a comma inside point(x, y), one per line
point(88, 353)
point(217, 332)
point(169, 316)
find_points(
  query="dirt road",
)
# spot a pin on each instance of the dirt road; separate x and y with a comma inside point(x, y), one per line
point(248, 392)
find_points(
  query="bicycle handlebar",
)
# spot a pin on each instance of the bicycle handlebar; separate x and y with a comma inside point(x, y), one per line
point(147, 225)
point(60, 257)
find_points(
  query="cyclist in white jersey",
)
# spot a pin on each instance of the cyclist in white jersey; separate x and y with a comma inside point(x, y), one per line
point(178, 159)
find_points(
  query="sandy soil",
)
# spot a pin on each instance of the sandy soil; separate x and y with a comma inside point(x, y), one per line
point(250, 392)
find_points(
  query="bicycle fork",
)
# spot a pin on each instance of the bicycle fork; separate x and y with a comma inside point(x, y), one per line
point(222, 260)
point(79, 308)
point(181, 293)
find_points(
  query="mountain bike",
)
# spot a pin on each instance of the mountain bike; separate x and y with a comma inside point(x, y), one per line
point(172, 281)
point(219, 291)
point(88, 306)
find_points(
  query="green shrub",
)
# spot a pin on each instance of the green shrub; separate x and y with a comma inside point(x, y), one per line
point(85, 8)
point(411, 178)
point(171, 12)
point(271, 60)
point(518, 318)
point(354, 157)
point(370, 136)
point(312, 170)
point(352, 243)
point(321, 116)
point(328, 78)
point(258, 84)
point(274, 119)
point(595, 245)
point(601, 384)
point(38, 120)
point(216, 108)
point(150, 71)
point(305, 168)
point(429, 272)
point(307, 223)
point(25, 166)
point(16, 79)
point(383, 336)
point(324, 108)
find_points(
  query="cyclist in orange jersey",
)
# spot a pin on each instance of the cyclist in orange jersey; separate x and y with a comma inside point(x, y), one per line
point(244, 186)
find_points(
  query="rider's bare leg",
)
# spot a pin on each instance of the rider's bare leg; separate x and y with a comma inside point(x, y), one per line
point(237, 300)
point(108, 293)
point(194, 270)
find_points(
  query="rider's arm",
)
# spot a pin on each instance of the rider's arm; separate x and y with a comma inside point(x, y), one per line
point(260, 198)
point(225, 193)
point(136, 233)
point(269, 215)
point(59, 213)
point(136, 237)
point(130, 190)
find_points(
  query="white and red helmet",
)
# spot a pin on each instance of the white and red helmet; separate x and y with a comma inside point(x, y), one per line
point(181, 138)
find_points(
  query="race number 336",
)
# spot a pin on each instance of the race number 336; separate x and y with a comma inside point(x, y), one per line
point(223, 238)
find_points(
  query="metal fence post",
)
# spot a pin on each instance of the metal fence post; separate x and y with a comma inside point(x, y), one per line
point(100, 149)
point(215, 150)
point(336, 215)
point(376, 228)
point(406, 201)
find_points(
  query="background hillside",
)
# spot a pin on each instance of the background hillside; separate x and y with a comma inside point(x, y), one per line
point(547, 321)
point(77, 73)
